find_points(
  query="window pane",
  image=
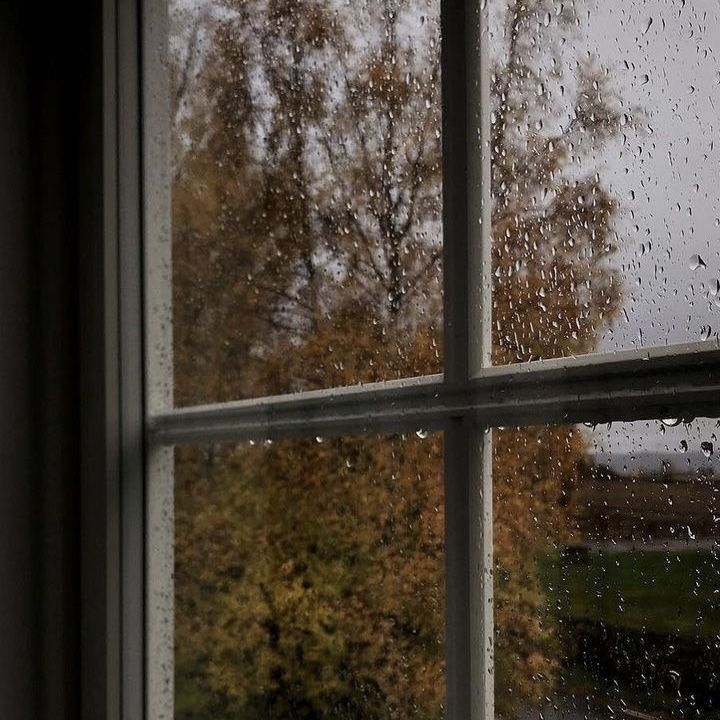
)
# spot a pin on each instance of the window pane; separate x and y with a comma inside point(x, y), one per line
point(607, 568)
point(309, 580)
point(306, 194)
point(604, 175)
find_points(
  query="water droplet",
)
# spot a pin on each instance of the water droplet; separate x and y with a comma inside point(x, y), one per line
point(422, 434)
point(696, 262)
point(671, 422)
point(707, 449)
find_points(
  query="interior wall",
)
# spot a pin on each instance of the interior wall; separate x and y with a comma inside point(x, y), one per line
point(18, 480)
point(39, 376)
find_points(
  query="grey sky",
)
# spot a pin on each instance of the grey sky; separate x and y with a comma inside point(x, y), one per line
point(647, 444)
point(663, 57)
point(670, 67)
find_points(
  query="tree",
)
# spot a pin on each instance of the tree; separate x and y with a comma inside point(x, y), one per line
point(324, 597)
point(307, 253)
point(308, 190)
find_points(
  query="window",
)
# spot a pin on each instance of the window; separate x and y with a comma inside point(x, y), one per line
point(423, 440)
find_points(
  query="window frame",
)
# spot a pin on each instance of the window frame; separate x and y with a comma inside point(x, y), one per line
point(110, 317)
point(465, 402)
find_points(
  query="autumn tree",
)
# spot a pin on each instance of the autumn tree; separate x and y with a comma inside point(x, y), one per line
point(307, 199)
point(307, 253)
point(307, 246)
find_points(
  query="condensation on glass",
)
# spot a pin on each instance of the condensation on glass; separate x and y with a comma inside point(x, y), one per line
point(309, 579)
point(306, 194)
point(607, 569)
point(604, 153)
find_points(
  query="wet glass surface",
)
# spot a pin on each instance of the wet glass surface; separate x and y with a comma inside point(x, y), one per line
point(604, 185)
point(306, 194)
point(309, 580)
point(607, 571)
point(307, 254)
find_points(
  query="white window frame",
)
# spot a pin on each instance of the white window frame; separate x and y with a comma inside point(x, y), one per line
point(464, 403)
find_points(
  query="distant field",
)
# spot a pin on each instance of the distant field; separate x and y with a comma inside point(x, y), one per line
point(662, 592)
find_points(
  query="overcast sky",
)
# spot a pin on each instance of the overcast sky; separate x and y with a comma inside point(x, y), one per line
point(663, 57)
point(649, 444)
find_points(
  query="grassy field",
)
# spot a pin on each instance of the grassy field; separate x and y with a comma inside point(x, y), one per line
point(640, 630)
point(653, 591)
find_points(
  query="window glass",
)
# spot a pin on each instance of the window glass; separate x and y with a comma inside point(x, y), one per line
point(306, 194)
point(607, 568)
point(604, 185)
point(309, 580)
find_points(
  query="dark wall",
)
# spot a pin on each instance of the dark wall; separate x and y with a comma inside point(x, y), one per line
point(19, 511)
point(55, 248)
point(42, 88)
